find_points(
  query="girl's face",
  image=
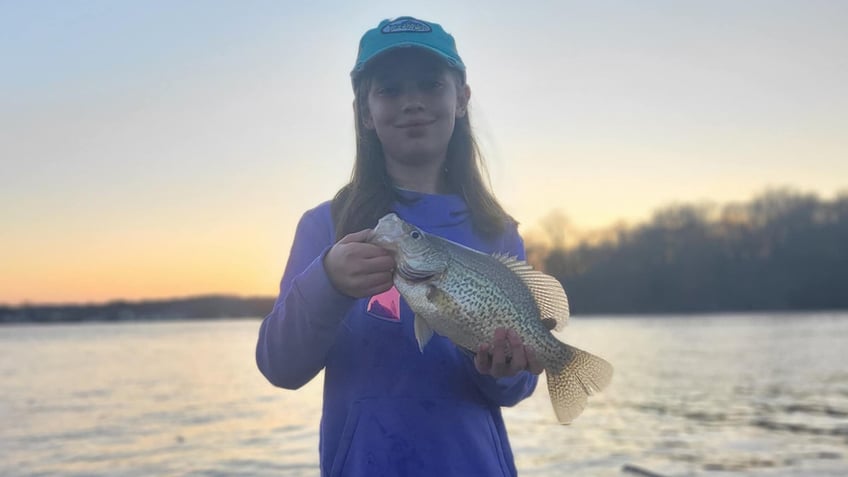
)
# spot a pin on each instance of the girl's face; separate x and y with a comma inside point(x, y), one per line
point(412, 105)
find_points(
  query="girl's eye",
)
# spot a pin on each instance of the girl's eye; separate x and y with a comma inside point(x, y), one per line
point(431, 85)
point(387, 90)
point(415, 234)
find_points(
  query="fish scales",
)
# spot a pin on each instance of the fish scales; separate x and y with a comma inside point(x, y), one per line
point(465, 296)
point(489, 296)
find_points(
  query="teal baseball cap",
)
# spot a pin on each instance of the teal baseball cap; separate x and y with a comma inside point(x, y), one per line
point(406, 32)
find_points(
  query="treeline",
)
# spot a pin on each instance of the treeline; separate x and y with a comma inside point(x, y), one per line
point(202, 307)
point(783, 250)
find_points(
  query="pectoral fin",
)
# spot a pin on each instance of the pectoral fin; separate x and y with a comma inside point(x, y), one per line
point(423, 332)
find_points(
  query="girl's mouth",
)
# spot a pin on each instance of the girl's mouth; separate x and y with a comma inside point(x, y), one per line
point(416, 123)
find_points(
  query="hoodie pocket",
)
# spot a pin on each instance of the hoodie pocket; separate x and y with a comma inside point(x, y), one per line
point(412, 437)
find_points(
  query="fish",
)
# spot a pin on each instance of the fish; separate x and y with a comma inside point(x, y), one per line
point(465, 295)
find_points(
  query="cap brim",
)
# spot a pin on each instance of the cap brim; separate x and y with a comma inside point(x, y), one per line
point(449, 60)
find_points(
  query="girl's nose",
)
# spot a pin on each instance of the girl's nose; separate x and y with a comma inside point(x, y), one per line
point(412, 106)
point(413, 100)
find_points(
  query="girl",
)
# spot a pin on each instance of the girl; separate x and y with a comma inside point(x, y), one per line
point(388, 408)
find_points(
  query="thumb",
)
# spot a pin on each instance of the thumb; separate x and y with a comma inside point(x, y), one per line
point(361, 236)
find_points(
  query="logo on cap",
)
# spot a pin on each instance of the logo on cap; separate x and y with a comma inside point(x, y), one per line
point(406, 25)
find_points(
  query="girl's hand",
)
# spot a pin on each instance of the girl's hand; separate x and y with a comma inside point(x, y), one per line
point(359, 269)
point(506, 356)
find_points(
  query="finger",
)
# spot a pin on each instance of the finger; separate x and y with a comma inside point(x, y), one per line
point(533, 364)
point(374, 284)
point(513, 337)
point(369, 250)
point(376, 290)
point(519, 360)
point(499, 366)
point(382, 263)
point(365, 250)
point(376, 280)
point(483, 360)
point(507, 345)
point(360, 236)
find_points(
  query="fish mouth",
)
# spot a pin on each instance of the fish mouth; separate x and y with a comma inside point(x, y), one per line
point(387, 233)
point(383, 241)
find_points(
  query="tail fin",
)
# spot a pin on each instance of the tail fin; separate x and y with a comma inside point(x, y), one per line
point(574, 376)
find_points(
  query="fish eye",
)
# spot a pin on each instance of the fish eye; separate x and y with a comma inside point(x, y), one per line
point(415, 234)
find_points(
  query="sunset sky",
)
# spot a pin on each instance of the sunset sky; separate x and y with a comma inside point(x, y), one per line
point(156, 149)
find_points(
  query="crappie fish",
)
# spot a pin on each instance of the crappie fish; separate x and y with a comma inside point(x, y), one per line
point(465, 295)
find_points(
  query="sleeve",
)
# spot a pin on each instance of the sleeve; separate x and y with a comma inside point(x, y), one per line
point(296, 336)
point(512, 390)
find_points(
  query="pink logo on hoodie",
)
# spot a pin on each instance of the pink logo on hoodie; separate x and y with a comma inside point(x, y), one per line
point(386, 305)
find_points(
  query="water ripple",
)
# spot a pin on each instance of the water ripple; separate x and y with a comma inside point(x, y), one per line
point(737, 395)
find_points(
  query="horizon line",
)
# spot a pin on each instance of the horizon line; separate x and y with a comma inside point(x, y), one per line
point(136, 301)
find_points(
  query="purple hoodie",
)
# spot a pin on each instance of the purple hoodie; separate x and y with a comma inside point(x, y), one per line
point(388, 409)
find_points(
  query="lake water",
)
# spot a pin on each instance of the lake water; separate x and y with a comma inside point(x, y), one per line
point(758, 395)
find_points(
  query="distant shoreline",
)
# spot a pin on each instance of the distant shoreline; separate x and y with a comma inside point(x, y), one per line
point(211, 307)
point(188, 308)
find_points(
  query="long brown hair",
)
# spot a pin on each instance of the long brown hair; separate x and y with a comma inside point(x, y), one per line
point(369, 194)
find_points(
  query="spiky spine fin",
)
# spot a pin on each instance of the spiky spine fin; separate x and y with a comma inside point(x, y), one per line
point(547, 291)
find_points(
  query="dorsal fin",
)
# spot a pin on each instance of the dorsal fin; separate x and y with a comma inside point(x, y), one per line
point(546, 290)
